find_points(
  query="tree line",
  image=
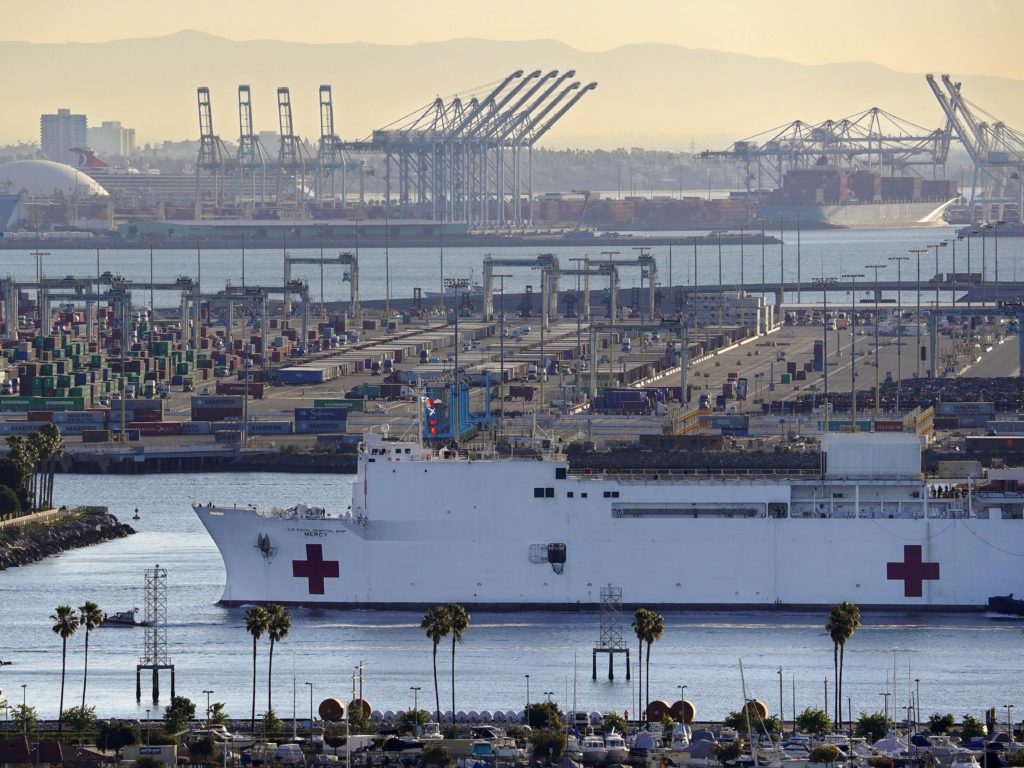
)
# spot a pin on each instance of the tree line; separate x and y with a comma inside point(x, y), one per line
point(27, 472)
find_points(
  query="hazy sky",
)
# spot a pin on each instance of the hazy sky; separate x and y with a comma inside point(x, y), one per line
point(970, 36)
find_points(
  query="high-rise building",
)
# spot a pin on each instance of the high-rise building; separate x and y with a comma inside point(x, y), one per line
point(111, 139)
point(62, 132)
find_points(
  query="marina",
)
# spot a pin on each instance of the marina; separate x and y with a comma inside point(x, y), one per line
point(966, 662)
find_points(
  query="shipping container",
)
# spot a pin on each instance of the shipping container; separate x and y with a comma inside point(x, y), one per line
point(296, 376)
point(157, 428)
point(321, 414)
point(317, 427)
point(239, 387)
point(96, 436)
point(195, 427)
point(233, 437)
point(269, 427)
point(349, 404)
point(217, 401)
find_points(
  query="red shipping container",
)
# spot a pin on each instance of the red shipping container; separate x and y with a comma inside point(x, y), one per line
point(151, 429)
point(39, 416)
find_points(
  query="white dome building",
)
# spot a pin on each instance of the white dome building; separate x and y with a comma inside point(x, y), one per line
point(44, 178)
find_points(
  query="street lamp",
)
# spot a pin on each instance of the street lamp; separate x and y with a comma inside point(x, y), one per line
point(147, 727)
point(682, 692)
point(885, 697)
point(899, 324)
point(878, 396)
point(527, 710)
point(415, 709)
point(825, 282)
point(501, 354)
point(24, 710)
point(917, 318)
point(853, 349)
point(207, 692)
point(323, 314)
point(310, 707)
point(549, 694)
point(782, 711)
point(938, 281)
point(917, 699)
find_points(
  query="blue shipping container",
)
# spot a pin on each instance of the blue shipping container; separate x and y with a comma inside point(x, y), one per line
point(317, 427)
point(321, 414)
point(269, 427)
point(300, 376)
point(195, 428)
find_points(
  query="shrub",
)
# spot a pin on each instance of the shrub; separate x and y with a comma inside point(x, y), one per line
point(115, 735)
point(939, 724)
point(873, 727)
point(825, 753)
point(971, 727)
point(547, 744)
point(814, 721)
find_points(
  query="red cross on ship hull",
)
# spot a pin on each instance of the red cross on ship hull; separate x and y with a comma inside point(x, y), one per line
point(913, 571)
point(315, 568)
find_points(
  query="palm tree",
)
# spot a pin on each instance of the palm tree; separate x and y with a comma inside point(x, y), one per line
point(65, 624)
point(51, 446)
point(23, 456)
point(641, 619)
point(655, 628)
point(89, 616)
point(435, 622)
point(279, 624)
point(843, 621)
point(458, 623)
point(256, 623)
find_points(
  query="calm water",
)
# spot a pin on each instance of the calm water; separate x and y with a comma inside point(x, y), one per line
point(822, 253)
point(965, 663)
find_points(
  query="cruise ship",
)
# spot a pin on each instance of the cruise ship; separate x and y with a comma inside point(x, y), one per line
point(432, 525)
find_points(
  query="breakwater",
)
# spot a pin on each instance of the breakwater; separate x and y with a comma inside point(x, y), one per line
point(32, 538)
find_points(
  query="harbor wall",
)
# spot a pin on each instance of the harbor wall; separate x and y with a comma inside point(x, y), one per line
point(32, 538)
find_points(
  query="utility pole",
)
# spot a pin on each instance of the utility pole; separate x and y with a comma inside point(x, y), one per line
point(878, 399)
point(501, 354)
point(825, 282)
point(853, 350)
point(917, 318)
point(899, 325)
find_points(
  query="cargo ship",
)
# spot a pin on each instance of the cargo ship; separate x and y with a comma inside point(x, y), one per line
point(433, 525)
point(826, 196)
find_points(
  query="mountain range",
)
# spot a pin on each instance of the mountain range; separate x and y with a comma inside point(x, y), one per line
point(649, 95)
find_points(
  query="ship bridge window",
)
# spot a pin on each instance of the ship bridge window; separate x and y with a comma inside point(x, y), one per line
point(611, 494)
point(543, 493)
point(560, 473)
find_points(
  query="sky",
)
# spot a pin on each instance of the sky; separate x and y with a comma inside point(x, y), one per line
point(981, 37)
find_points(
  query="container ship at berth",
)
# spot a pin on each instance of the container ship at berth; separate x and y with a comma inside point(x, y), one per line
point(826, 196)
point(428, 526)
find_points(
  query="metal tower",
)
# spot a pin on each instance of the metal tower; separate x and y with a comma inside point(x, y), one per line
point(329, 156)
point(154, 650)
point(213, 155)
point(611, 640)
point(252, 157)
point(292, 155)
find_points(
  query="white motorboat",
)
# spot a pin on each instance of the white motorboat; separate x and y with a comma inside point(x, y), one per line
point(616, 750)
point(593, 748)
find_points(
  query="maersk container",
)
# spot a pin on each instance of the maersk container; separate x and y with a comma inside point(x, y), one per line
point(294, 376)
point(269, 427)
point(195, 428)
point(321, 414)
point(319, 427)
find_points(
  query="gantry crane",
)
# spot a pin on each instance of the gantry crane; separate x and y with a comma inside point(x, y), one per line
point(996, 150)
point(251, 157)
point(213, 158)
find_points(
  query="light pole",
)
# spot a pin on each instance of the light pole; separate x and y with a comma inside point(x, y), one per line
point(527, 710)
point(782, 713)
point(323, 315)
point(199, 264)
point(1009, 721)
point(501, 354)
point(147, 727)
point(917, 699)
point(207, 692)
point(899, 324)
point(885, 698)
point(682, 692)
point(549, 694)
point(579, 321)
point(310, 707)
point(24, 710)
point(797, 214)
point(440, 232)
point(878, 396)
point(938, 280)
point(853, 349)
point(917, 317)
point(825, 282)
point(242, 236)
point(970, 235)
point(995, 228)
point(415, 709)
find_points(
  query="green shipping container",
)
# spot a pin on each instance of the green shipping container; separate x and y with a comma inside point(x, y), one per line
point(784, 378)
point(352, 405)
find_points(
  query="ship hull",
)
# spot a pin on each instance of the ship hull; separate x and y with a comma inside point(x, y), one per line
point(860, 215)
point(476, 533)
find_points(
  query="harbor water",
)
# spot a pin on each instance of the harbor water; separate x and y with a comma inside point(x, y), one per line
point(963, 662)
point(822, 253)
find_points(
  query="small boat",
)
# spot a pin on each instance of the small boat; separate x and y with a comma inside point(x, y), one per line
point(123, 619)
point(615, 746)
point(593, 748)
point(431, 732)
point(1006, 605)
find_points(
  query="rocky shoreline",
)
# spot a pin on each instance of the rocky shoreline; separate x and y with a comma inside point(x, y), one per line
point(35, 541)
